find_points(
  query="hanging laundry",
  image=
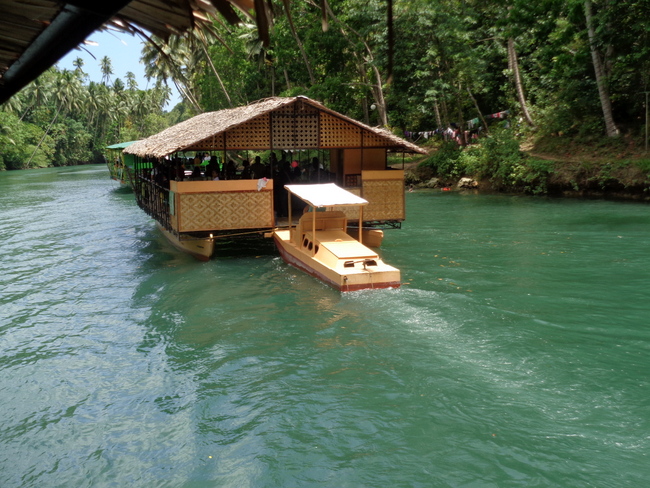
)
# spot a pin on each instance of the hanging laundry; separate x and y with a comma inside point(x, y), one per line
point(498, 115)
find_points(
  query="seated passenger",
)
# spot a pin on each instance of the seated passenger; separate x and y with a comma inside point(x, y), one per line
point(196, 173)
point(257, 168)
point(230, 170)
point(246, 171)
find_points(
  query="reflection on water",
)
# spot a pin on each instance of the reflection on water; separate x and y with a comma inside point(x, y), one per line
point(515, 353)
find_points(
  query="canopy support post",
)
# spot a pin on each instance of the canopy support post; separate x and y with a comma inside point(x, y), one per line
point(313, 234)
point(360, 223)
point(290, 216)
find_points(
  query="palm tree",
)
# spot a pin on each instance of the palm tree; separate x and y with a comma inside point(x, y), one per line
point(13, 105)
point(131, 82)
point(78, 63)
point(163, 62)
point(100, 105)
point(68, 91)
point(37, 92)
point(118, 86)
point(161, 94)
point(107, 69)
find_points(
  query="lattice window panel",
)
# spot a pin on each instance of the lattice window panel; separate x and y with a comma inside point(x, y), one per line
point(253, 134)
point(386, 200)
point(335, 132)
point(295, 131)
point(285, 109)
point(305, 108)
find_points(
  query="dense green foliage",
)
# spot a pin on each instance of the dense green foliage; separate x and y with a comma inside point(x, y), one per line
point(454, 60)
point(62, 119)
point(447, 52)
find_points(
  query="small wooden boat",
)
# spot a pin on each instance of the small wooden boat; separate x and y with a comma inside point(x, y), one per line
point(320, 245)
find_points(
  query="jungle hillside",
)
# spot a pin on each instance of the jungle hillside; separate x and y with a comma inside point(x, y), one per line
point(537, 97)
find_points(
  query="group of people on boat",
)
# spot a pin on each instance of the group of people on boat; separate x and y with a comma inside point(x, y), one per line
point(211, 168)
point(207, 168)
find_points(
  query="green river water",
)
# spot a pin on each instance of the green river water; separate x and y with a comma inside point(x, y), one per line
point(517, 353)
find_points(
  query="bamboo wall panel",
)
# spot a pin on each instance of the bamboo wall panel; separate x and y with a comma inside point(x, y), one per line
point(352, 213)
point(253, 134)
point(386, 199)
point(225, 211)
point(335, 132)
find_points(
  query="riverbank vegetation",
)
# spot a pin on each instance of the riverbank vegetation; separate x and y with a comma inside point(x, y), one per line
point(552, 165)
point(553, 93)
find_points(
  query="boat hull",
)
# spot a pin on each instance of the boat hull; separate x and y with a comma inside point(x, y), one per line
point(201, 249)
point(348, 280)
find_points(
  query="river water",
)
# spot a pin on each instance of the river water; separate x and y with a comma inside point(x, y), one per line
point(517, 353)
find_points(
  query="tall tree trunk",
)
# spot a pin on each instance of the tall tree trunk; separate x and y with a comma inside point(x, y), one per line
point(459, 105)
point(478, 111)
point(391, 42)
point(216, 73)
point(366, 114)
point(286, 79)
point(378, 92)
point(25, 112)
point(601, 79)
point(437, 112)
point(513, 64)
point(58, 110)
point(445, 113)
point(187, 94)
point(362, 63)
point(298, 41)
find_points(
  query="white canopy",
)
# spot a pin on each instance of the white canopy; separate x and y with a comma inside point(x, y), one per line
point(325, 195)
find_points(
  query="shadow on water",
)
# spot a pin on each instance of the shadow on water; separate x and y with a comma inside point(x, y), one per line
point(226, 249)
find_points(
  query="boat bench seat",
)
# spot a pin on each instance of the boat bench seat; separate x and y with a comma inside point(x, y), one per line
point(324, 221)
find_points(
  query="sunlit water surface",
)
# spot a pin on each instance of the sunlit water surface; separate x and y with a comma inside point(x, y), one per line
point(517, 353)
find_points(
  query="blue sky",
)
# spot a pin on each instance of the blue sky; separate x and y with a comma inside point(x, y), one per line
point(124, 52)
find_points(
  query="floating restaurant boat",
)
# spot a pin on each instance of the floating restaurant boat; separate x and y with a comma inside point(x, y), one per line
point(320, 245)
point(119, 162)
point(323, 146)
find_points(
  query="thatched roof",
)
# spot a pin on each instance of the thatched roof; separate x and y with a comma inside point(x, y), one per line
point(255, 126)
point(35, 34)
